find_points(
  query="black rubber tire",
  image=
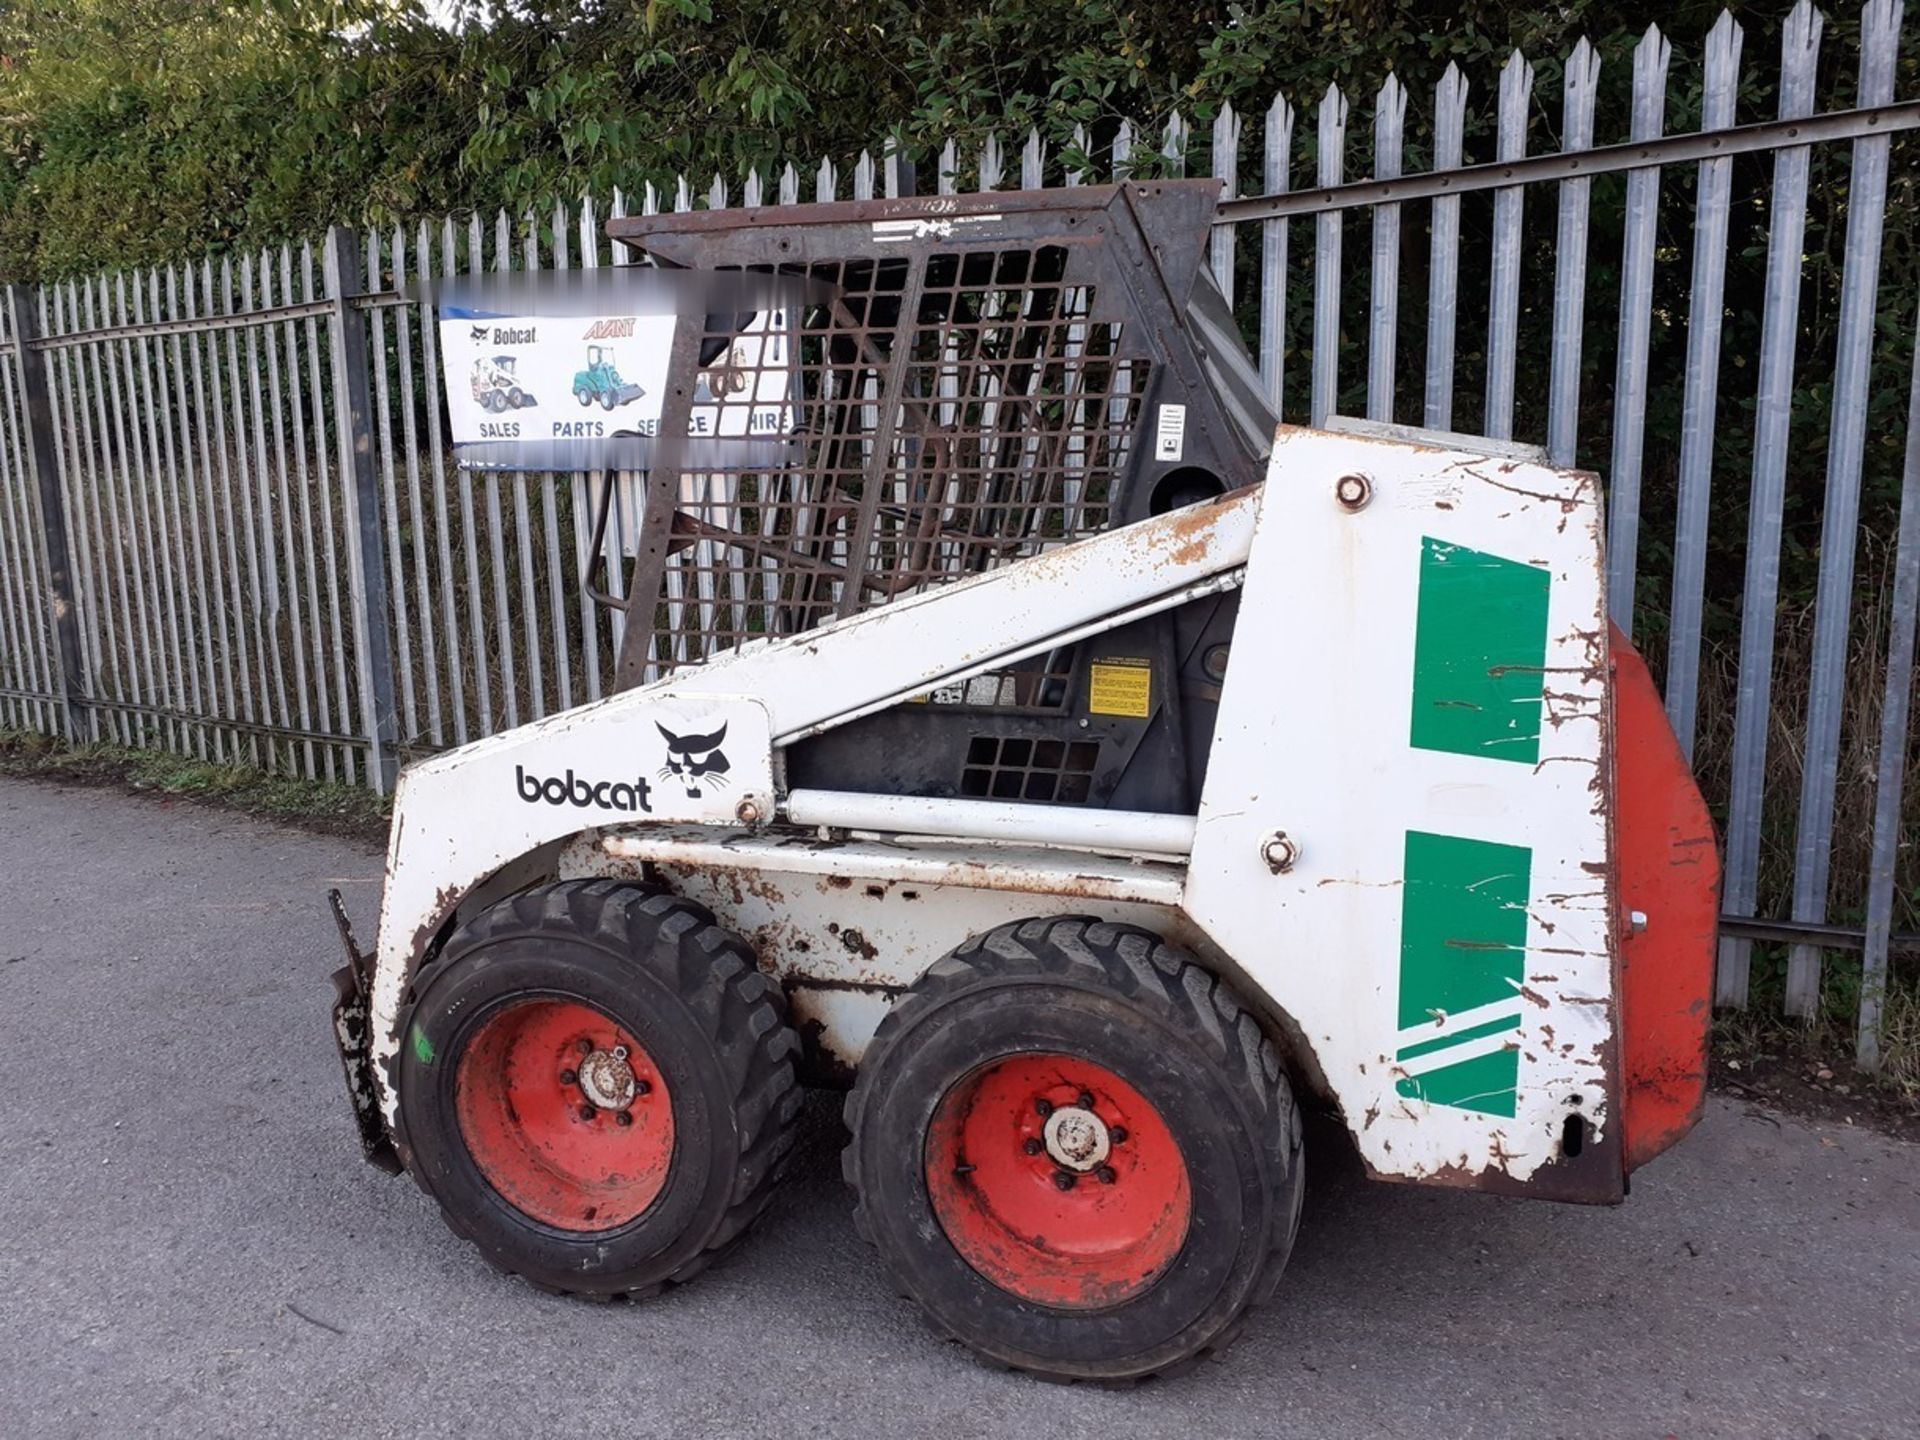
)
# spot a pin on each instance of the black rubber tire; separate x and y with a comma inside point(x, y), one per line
point(1146, 1010)
point(690, 991)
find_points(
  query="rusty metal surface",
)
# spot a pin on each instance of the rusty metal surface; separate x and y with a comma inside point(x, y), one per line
point(845, 925)
point(353, 1037)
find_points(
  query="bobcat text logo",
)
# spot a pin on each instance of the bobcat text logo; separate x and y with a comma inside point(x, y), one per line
point(584, 794)
point(610, 329)
point(695, 759)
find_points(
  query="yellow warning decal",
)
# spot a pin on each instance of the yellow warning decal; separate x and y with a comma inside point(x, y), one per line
point(1121, 687)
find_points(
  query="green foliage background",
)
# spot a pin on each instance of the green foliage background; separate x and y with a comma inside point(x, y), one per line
point(139, 131)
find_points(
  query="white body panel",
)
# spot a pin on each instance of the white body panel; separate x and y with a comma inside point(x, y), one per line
point(1458, 1020)
point(1313, 740)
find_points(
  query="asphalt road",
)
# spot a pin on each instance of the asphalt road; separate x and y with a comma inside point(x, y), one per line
point(189, 1244)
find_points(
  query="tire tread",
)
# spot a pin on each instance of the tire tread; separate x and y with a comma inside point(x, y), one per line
point(714, 971)
point(1141, 966)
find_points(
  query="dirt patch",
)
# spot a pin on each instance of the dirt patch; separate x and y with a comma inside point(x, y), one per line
point(344, 811)
point(1830, 1090)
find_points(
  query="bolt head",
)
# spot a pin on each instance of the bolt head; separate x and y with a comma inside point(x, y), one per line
point(1063, 1180)
point(622, 1118)
point(1105, 1174)
point(1033, 1147)
point(1117, 1134)
point(747, 812)
point(1084, 1100)
point(1043, 1108)
point(643, 1087)
point(587, 1112)
point(586, 1046)
point(567, 1077)
point(1353, 492)
point(1280, 853)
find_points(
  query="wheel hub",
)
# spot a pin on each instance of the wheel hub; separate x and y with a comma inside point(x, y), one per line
point(1057, 1180)
point(607, 1079)
point(546, 1095)
point(1077, 1139)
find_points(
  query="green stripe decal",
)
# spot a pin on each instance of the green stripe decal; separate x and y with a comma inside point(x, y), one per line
point(1463, 939)
point(1472, 1032)
point(1479, 654)
point(1486, 1083)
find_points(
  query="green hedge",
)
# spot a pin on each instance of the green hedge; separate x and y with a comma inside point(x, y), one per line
point(140, 131)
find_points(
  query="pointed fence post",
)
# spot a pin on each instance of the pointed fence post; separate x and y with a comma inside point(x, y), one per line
point(1325, 394)
point(1840, 515)
point(55, 537)
point(366, 560)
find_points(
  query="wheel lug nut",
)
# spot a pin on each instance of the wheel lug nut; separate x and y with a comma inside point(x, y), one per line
point(567, 1077)
point(1063, 1180)
point(1033, 1147)
point(587, 1112)
point(1117, 1134)
point(1086, 1100)
point(1106, 1175)
point(623, 1119)
point(1043, 1108)
point(586, 1046)
point(642, 1087)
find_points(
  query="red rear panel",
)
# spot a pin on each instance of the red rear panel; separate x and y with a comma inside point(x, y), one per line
point(1669, 869)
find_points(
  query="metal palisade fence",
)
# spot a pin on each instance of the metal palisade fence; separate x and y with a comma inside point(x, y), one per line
point(230, 524)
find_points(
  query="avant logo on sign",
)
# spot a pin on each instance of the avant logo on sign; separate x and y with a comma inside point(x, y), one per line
point(583, 794)
point(621, 329)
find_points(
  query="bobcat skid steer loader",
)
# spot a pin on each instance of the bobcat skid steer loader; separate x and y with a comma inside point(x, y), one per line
point(1085, 770)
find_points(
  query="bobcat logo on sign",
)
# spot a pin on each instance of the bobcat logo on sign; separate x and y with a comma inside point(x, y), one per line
point(695, 760)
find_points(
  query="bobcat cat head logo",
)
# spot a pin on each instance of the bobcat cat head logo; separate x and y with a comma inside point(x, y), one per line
point(695, 760)
point(479, 332)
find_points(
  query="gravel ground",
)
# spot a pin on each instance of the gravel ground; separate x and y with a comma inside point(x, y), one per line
point(190, 1246)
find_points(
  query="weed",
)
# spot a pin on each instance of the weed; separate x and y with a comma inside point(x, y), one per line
point(350, 811)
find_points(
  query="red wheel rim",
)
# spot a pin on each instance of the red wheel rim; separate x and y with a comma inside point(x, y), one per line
point(567, 1128)
point(995, 1173)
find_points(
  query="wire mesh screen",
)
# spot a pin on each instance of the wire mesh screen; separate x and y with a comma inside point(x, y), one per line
point(952, 411)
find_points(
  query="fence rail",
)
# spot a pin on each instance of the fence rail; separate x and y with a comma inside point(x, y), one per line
point(230, 525)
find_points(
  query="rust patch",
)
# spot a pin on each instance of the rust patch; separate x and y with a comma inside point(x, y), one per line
point(1189, 534)
point(858, 944)
point(818, 1064)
